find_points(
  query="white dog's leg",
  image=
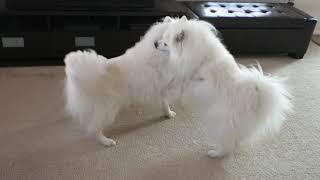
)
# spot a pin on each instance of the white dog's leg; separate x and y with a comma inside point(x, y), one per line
point(167, 111)
point(223, 133)
point(222, 148)
point(219, 150)
point(104, 140)
point(104, 116)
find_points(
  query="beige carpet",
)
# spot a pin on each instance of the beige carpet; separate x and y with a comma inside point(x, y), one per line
point(316, 39)
point(39, 142)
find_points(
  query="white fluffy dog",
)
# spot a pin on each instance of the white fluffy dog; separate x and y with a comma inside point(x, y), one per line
point(97, 88)
point(241, 102)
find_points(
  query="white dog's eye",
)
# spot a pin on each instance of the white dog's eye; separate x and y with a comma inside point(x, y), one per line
point(198, 79)
point(180, 37)
point(161, 45)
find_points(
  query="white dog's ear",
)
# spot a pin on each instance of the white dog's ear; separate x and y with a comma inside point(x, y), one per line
point(180, 36)
point(167, 19)
point(184, 18)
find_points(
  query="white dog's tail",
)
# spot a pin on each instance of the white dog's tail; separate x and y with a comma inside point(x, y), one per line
point(266, 102)
point(85, 66)
point(85, 71)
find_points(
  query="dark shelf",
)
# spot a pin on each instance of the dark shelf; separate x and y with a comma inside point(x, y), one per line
point(40, 37)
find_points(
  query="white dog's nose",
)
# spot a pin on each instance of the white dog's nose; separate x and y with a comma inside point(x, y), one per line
point(156, 44)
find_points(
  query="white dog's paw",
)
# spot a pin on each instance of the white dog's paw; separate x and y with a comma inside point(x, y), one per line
point(106, 141)
point(215, 153)
point(171, 114)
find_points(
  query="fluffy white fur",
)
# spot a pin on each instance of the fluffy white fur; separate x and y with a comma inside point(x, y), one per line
point(241, 102)
point(97, 88)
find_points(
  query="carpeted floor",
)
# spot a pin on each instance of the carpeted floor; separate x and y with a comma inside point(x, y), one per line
point(39, 142)
point(316, 39)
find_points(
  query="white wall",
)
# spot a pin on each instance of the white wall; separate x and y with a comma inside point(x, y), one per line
point(311, 7)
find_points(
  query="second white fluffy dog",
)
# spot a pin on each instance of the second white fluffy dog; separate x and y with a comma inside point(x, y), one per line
point(240, 102)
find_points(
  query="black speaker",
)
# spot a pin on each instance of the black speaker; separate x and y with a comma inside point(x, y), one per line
point(78, 4)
